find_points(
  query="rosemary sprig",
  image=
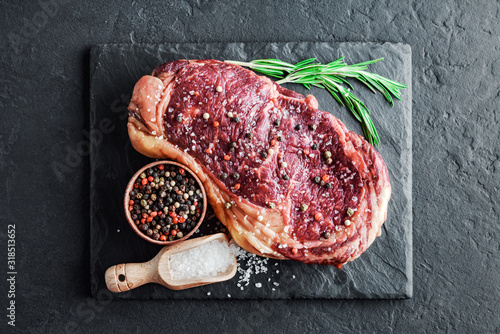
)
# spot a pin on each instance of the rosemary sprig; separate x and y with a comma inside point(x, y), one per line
point(332, 77)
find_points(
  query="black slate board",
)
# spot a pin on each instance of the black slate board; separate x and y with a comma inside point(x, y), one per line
point(384, 271)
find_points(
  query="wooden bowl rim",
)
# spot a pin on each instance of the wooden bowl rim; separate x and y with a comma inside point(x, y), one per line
point(127, 199)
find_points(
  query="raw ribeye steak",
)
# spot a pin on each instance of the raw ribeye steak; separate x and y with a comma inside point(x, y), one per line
point(287, 180)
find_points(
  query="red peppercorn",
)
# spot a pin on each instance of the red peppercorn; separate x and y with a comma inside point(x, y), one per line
point(175, 220)
point(144, 215)
point(136, 185)
point(149, 219)
point(163, 238)
point(150, 178)
point(153, 214)
point(131, 202)
point(227, 157)
point(216, 124)
point(130, 208)
point(181, 170)
point(173, 232)
point(195, 203)
point(294, 250)
point(143, 220)
point(182, 220)
point(161, 167)
point(317, 216)
point(273, 142)
point(325, 178)
point(209, 151)
point(237, 186)
point(306, 151)
point(144, 181)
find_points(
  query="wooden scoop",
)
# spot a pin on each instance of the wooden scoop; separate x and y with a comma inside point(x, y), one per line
point(128, 276)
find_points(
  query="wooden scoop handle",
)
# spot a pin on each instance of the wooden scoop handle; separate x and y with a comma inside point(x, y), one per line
point(128, 276)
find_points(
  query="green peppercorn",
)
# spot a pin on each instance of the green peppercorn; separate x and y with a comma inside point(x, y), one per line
point(303, 207)
point(144, 203)
point(227, 205)
point(327, 154)
point(143, 175)
point(313, 127)
point(350, 212)
point(271, 205)
point(317, 179)
point(329, 161)
point(179, 234)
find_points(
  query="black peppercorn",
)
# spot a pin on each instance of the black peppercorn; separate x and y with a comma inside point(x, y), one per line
point(286, 177)
point(298, 127)
point(279, 138)
point(325, 235)
point(263, 154)
point(223, 176)
point(277, 122)
point(328, 185)
point(179, 118)
point(249, 135)
point(317, 179)
point(236, 176)
point(313, 127)
point(314, 146)
point(236, 119)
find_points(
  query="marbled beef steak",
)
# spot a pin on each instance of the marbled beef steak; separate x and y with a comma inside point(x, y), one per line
point(287, 180)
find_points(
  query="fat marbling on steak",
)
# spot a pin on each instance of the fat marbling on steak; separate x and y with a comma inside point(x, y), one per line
point(287, 180)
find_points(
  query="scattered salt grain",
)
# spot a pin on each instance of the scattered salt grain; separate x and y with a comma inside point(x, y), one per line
point(258, 285)
point(207, 260)
point(248, 264)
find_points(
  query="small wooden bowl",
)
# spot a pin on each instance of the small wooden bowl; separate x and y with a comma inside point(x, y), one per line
point(127, 199)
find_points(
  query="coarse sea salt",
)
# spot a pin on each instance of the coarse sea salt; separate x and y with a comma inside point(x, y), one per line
point(207, 260)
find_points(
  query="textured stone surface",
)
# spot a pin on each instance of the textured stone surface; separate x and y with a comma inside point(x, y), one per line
point(456, 160)
point(384, 271)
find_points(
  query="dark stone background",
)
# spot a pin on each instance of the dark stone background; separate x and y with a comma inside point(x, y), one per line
point(44, 97)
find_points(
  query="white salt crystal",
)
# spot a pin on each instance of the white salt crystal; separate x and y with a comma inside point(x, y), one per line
point(258, 285)
point(207, 260)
